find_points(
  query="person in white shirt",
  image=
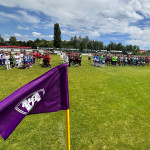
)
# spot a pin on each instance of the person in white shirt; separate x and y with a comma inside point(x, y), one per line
point(21, 58)
point(121, 60)
point(66, 59)
point(89, 57)
point(7, 61)
point(17, 60)
point(61, 57)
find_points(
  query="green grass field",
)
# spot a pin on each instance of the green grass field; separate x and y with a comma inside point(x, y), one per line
point(109, 110)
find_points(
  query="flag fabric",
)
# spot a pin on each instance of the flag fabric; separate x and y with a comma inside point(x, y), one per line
point(47, 93)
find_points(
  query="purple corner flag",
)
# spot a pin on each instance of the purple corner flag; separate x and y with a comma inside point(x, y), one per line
point(47, 93)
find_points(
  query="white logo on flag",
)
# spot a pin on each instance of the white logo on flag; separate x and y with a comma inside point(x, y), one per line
point(28, 103)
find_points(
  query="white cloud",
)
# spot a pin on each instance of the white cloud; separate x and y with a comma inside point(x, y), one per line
point(141, 5)
point(22, 16)
point(39, 35)
point(79, 13)
point(139, 37)
point(36, 34)
point(22, 28)
point(6, 16)
point(142, 43)
point(28, 18)
point(93, 18)
point(18, 36)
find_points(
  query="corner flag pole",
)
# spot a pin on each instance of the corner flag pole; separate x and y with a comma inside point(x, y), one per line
point(68, 129)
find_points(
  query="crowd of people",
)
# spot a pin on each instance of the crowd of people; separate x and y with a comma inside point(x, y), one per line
point(119, 60)
point(45, 59)
point(71, 59)
point(24, 59)
point(27, 59)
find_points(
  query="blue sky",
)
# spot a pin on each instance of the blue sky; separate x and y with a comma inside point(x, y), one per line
point(125, 21)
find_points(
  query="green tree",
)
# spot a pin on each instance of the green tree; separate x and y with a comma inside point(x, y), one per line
point(2, 42)
point(119, 47)
point(13, 41)
point(90, 44)
point(50, 44)
point(21, 43)
point(57, 36)
point(31, 44)
point(64, 44)
point(74, 42)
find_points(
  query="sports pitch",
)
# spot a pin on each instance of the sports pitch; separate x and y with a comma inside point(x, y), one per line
point(109, 110)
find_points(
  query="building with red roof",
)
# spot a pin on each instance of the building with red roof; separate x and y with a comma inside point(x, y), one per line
point(142, 51)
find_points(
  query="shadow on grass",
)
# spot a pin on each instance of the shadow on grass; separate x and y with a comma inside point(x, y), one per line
point(45, 66)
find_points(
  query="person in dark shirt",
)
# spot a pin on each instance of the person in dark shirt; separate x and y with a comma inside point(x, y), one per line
point(11, 61)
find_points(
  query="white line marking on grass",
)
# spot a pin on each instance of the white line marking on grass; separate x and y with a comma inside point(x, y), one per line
point(61, 136)
point(106, 71)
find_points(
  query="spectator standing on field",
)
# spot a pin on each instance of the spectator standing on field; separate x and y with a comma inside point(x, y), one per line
point(2, 59)
point(17, 60)
point(89, 57)
point(103, 61)
point(116, 58)
point(34, 56)
point(113, 60)
point(41, 59)
point(62, 58)
point(21, 59)
point(121, 60)
point(66, 59)
point(80, 59)
point(11, 61)
point(125, 60)
point(7, 61)
point(38, 56)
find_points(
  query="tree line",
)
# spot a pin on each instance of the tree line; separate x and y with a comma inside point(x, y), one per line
point(75, 42)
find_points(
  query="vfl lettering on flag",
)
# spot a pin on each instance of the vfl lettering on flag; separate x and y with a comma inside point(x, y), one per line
point(26, 105)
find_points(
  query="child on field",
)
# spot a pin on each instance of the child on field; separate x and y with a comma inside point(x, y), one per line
point(62, 58)
point(80, 58)
point(41, 58)
point(98, 60)
point(30, 59)
point(94, 60)
point(121, 60)
point(2, 59)
point(48, 60)
point(26, 61)
point(11, 61)
point(89, 57)
point(17, 60)
point(66, 59)
point(125, 61)
point(7, 62)
point(103, 61)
